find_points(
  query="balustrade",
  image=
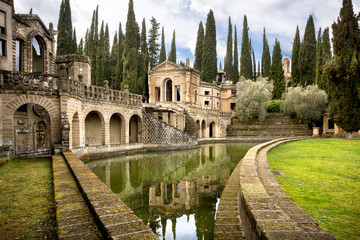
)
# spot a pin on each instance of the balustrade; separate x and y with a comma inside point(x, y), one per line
point(13, 81)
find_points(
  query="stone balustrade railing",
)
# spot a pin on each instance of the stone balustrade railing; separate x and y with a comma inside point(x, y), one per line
point(55, 84)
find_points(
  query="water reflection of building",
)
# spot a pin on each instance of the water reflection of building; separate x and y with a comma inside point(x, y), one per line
point(177, 198)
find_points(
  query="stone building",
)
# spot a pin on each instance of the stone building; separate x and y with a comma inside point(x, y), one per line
point(180, 90)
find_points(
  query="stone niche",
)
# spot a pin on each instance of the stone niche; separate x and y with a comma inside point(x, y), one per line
point(77, 67)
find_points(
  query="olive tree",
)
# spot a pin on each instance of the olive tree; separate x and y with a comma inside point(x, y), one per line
point(307, 103)
point(252, 97)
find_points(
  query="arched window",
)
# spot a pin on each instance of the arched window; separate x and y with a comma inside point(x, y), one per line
point(168, 91)
point(37, 55)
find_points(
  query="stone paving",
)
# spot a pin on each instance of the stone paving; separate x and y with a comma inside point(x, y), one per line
point(73, 217)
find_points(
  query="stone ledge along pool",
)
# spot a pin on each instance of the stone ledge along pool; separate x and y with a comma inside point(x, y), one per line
point(175, 193)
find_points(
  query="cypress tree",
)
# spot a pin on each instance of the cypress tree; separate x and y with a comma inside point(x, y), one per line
point(343, 71)
point(172, 54)
point(266, 58)
point(80, 48)
point(235, 72)
point(295, 72)
point(326, 47)
point(209, 57)
point(199, 47)
point(154, 46)
point(119, 62)
point(143, 61)
point(106, 69)
point(99, 57)
point(228, 64)
point(254, 62)
point(91, 44)
point(65, 31)
point(318, 59)
point(74, 42)
point(259, 70)
point(245, 58)
point(130, 51)
point(162, 56)
point(277, 72)
point(307, 56)
point(113, 60)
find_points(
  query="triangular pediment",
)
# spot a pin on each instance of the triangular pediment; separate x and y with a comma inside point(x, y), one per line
point(167, 66)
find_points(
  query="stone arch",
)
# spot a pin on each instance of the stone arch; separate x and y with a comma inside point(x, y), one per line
point(117, 129)
point(31, 124)
point(135, 129)
point(94, 129)
point(15, 102)
point(199, 129)
point(168, 87)
point(35, 34)
point(75, 130)
point(135, 169)
point(203, 128)
point(212, 129)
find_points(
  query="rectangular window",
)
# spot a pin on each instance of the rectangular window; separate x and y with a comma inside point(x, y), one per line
point(207, 93)
point(18, 52)
point(232, 106)
point(233, 91)
point(206, 103)
point(2, 47)
point(2, 22)
point(177, 93)
point(157, 92)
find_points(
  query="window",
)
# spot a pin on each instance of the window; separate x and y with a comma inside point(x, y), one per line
point(2, 22)
point(37, 56)
point(157, 92)
point(232, 106)
point(331, 124)
point(233, 91)
point(2, 47)
point(207, 93)
point(206, 103)
point(18, 55)
point(177, 93)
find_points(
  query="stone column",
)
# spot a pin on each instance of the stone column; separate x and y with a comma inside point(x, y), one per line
point(181, 121)
point(173, 119)
point(126, 127)
point(107, 132)
point(165, 117)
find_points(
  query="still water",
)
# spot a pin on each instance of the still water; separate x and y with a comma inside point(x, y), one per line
point(175, 193)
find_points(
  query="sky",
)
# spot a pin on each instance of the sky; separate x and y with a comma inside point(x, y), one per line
point(279, 17)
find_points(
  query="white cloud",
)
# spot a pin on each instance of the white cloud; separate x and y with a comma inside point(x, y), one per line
point(279, 17)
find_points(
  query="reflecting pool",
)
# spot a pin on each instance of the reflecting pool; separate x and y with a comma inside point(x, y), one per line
point(175, 193)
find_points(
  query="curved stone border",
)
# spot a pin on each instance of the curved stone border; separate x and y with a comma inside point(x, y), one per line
point(114, 219)
point(264, 211)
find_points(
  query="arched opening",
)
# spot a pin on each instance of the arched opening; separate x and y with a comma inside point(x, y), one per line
point(116, 129)
point(118, 176)
point(75, 131)
point(37, 55)
point(212, 130)
point(134, 129)
point(94, 129)
point(199, 129)
point(331, 124)
point(203, 129)
point(168, 90)
point(32, 130)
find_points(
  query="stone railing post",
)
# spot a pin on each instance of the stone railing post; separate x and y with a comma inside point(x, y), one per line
point(107, 90)
point(64, 81)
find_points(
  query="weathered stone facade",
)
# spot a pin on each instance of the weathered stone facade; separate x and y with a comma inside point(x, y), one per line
point(210, 105)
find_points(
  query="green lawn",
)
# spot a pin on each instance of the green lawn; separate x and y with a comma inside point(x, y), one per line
point(27, 209)
point(323, 177)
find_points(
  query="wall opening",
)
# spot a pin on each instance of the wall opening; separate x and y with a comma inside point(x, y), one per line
point(168, 90)
point(212, 130)
point(203, 128)
point(37, 56)
point(94, 129)
point(32, 130)
point(134, 129)
point(116, 129)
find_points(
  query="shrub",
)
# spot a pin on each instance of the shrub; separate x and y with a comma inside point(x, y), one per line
point(252, 97)
point(307, 103)
point(273, 106)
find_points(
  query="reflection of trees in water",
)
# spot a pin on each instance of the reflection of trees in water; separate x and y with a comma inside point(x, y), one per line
point(205, 218)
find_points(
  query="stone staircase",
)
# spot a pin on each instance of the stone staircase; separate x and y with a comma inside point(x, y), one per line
point(275, 125)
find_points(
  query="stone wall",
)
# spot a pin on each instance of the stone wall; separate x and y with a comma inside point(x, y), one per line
point(158, 132)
